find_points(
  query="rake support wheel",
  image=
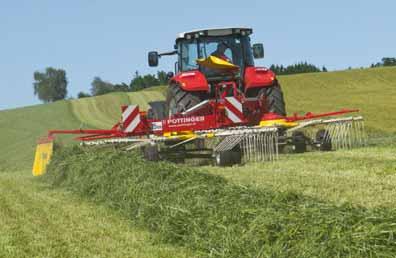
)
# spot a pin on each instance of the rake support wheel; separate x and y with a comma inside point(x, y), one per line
point(228, 158)
point(324, 140)
point(299, 142)
point(151, 152)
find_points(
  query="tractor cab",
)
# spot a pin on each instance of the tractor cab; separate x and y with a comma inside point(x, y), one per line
point(231, 45)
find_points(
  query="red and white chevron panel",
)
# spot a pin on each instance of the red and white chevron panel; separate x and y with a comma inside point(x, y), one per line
point(234, 109)
point(130, 118)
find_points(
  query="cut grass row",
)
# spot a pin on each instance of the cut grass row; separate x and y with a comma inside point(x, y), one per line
point(218, 218)
point(36, 221)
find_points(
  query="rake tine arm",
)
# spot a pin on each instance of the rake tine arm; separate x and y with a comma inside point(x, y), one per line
point(83, 131)
point(307, 116)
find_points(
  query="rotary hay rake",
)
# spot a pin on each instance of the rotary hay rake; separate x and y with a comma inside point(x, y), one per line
point(230, 129)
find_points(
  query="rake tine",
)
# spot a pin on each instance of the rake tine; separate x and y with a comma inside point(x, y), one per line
point(276, 145)
point(266, 147)
point(255, 147)
point(270, 147)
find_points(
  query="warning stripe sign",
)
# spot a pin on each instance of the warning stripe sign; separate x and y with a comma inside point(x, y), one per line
point(130, 118)
point(234, 110)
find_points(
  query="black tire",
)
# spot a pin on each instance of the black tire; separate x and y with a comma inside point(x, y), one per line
point(157, 110)
point(151, 153)
point(228, 158)
point(299, 142)
point(178, 100)
point(324, 140)
point(275, 100)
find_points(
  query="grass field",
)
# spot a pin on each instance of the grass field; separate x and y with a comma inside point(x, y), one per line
point(36, 221)
point(362, 178)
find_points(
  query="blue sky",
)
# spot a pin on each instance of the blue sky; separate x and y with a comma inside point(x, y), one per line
point(111, 39)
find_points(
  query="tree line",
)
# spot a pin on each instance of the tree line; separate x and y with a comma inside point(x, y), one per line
point(386, 61)
point(302, 67)
point(51, 85)
point(139, 82)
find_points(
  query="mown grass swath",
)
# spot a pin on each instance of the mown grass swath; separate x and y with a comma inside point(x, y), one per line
point(216, 218)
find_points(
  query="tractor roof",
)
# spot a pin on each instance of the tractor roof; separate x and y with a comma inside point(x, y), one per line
point(214, 32)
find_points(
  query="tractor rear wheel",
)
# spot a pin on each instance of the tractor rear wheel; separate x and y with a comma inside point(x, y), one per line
point(274, 99)
point(179, 100)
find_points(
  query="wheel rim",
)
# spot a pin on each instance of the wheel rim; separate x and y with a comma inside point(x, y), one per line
point(218, 159)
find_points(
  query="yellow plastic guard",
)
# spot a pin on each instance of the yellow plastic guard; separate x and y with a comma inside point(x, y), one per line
point(42, 157)
point(217, 63)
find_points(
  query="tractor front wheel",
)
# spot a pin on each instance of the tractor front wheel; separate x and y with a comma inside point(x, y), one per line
point(274, 99)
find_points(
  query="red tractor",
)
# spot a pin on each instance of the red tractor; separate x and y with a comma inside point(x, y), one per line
point(194, 81)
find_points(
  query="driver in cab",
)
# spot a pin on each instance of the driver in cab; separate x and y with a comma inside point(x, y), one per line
point(220, 52)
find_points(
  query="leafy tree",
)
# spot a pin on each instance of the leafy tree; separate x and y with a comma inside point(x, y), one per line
point(100, 87)
point(388, 61)
point(82, 94)
point(140, 82)
point(324, 69)
point(162, 77)
point(50, 85)
point(121, 87)
point(136, 83)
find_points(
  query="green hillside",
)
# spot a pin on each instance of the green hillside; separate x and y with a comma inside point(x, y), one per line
point(372, 91)
point(22, 127)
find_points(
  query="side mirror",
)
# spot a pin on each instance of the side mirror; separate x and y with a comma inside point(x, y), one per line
point(258, 50)
point(153, 58)
point(169, 75)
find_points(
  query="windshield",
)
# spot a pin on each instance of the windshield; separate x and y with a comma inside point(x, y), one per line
point(234, 49)
point(189, 55)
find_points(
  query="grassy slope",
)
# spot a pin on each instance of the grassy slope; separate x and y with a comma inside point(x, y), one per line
point(104, 111)
point(20, 128)
point(371, 90)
